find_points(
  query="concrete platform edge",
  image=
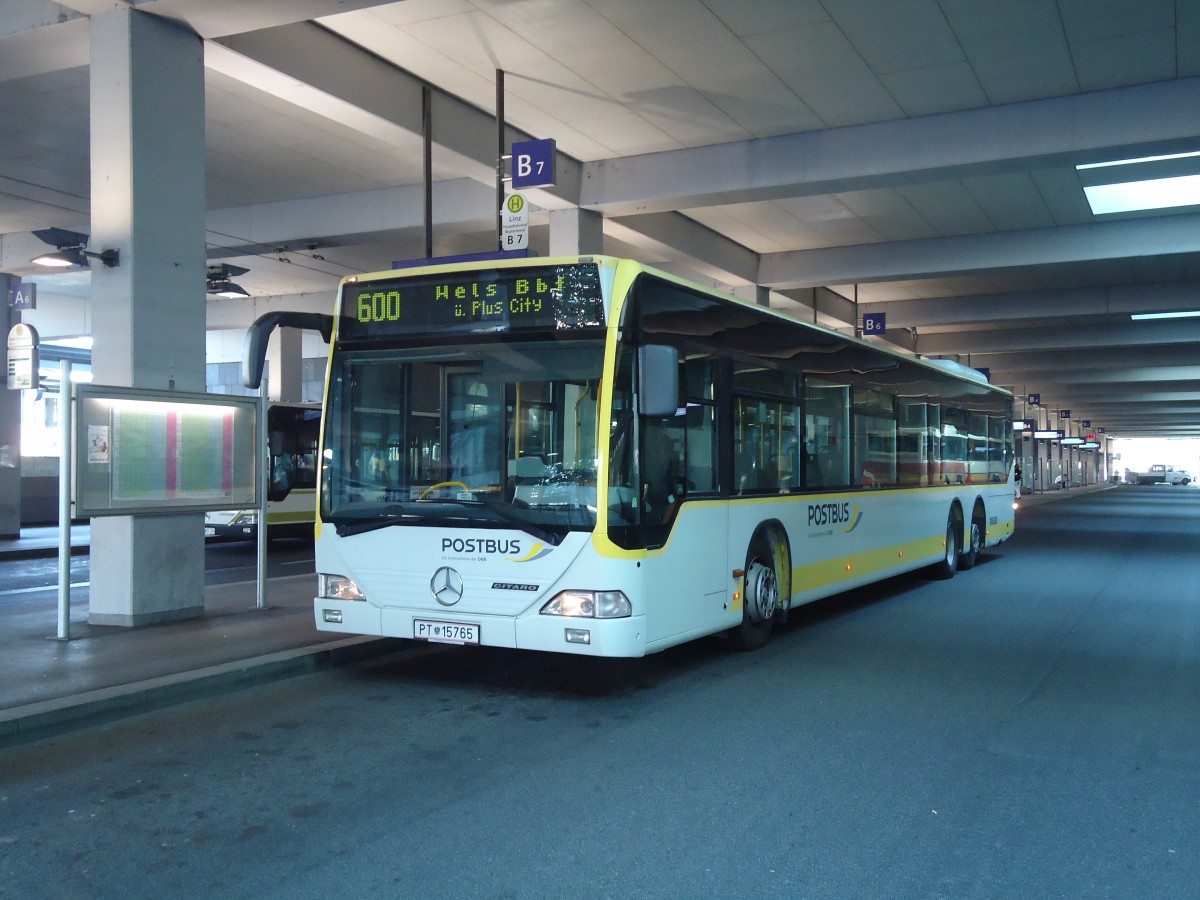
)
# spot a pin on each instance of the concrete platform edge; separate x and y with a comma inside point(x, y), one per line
point(47, 718)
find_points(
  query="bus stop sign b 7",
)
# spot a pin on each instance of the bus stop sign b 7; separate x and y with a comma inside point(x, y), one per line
point(532, 164)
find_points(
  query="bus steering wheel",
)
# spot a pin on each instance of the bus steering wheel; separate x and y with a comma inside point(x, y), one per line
point(441, 484)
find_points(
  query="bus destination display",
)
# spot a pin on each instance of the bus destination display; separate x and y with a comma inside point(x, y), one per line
point(547, 297)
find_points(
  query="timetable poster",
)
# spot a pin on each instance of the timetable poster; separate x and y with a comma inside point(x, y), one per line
point(171, 454)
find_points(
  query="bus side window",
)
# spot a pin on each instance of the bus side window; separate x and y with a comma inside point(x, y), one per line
point(827, 422)
point(283, 476)
point(812, 470)
point(306, 471)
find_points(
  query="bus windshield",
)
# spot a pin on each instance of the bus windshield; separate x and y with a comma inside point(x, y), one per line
point(499, 435)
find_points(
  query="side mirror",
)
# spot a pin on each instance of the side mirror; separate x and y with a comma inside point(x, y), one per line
point(254, 346)
point(658, 380)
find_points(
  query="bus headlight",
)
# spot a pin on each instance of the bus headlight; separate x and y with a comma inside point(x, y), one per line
point(245, 518)
point(338, 587)
point(589, 605)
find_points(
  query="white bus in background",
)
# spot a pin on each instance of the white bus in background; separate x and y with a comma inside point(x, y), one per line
point(588, 456)
point(293, 431)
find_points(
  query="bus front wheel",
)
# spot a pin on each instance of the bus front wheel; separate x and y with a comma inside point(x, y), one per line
point(760, 597)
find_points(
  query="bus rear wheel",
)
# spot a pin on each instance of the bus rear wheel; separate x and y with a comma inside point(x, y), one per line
point(948, 565)
point(975, 538)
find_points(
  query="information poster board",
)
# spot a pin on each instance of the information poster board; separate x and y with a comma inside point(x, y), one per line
point(142, 451)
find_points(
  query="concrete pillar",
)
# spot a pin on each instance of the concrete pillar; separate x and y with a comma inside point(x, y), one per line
point(576, 232)
point(147, 128)
point(10, 430)
point(285, 365)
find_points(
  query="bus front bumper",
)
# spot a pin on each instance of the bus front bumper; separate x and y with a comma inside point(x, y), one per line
point(562, 634)
point(238, 532)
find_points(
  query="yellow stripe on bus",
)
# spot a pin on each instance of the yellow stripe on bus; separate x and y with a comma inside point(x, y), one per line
point(826, 572)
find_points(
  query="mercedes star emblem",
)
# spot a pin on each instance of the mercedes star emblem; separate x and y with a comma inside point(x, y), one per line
point(447, 586)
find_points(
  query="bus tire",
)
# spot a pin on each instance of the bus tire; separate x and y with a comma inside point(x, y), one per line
point(761, 592)
point(975, 536)
point(945, 568)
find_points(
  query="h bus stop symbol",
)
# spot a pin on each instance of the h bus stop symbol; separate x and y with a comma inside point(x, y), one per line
point(532, 164)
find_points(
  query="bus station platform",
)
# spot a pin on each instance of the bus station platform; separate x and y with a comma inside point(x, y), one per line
point(105, 673)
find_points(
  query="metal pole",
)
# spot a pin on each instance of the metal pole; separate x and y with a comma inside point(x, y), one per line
point(264, 481)
point(64, 500)
point(1037, 472)
point(499, 159)
point(427, 131)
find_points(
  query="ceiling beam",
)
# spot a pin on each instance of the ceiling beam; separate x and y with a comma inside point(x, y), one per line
point(1121, 299)
point(1008, 340)
point(671, 234)
point(47, 49)
point(327, 74)
point(1117, 375)
point(1066, 394)
point(219, 18)
point(1088, 127)
point(981, 253)
point(323, 72)
point(346, 218)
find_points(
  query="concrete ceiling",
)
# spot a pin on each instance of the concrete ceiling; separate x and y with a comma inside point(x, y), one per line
point(916, 157)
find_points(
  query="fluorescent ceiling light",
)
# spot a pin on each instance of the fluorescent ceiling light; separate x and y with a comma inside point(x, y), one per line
point(1156, 193)
point(1182, 314)
point(1138, 161)
point(1142, 184)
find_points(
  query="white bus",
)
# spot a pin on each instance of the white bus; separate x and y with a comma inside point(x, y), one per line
point(588, 456)
point(293, 430)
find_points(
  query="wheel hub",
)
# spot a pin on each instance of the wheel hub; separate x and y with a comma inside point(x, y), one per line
point(762, 592)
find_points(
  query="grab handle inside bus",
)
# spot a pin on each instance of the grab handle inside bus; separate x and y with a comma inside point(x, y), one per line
point(254, 349)
point(658, 380)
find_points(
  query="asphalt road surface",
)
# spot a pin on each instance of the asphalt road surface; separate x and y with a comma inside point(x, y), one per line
point(1028, 729)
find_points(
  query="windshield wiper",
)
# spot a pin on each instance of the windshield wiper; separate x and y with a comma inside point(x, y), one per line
point(386, 520)
point(507, 517)
point(492, 515)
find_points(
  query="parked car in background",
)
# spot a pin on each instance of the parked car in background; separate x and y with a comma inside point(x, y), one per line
point(1158, 474)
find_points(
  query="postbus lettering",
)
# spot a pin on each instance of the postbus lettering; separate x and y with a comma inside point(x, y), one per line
point(507, 547)
point(828, 513)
